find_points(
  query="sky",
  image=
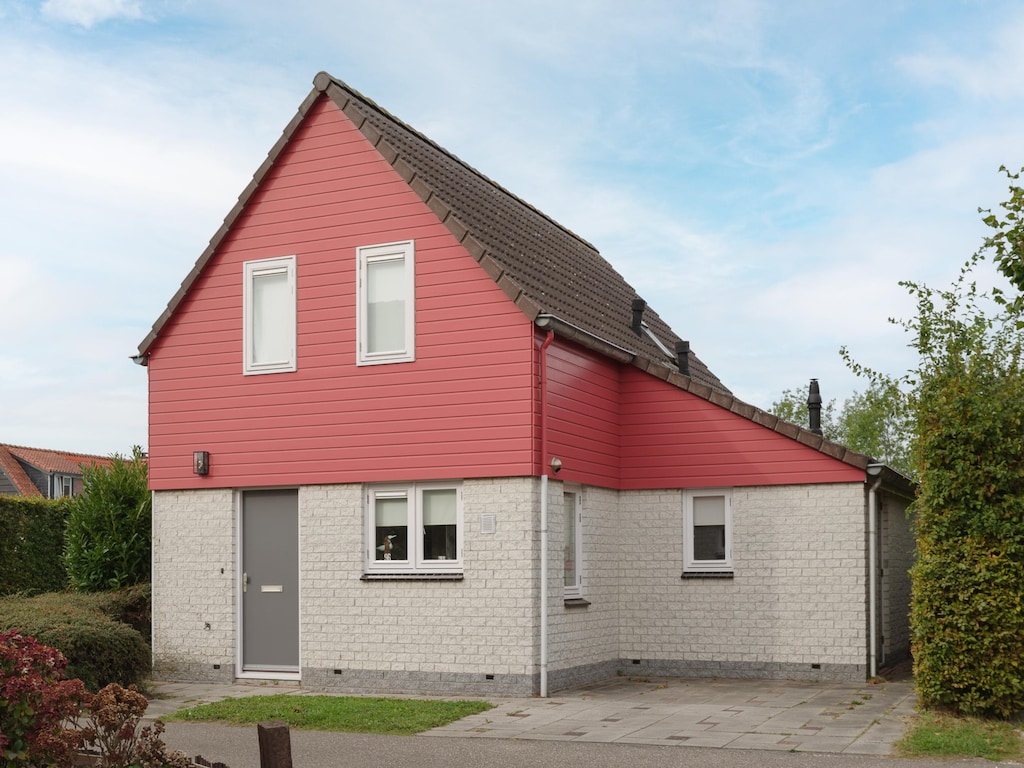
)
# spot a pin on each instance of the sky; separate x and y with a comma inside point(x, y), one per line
point(764, 173)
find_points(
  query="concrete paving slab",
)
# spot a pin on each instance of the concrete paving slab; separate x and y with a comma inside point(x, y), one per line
point(852, 718)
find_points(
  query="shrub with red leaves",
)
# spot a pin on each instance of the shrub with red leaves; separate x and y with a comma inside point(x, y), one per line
point(35, 703)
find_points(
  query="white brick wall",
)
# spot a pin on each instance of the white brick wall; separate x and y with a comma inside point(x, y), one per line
point(481, 625)
point(897, 555)
point(193, 584)
point(584, 636)
point(798, 592)
point(797, 597)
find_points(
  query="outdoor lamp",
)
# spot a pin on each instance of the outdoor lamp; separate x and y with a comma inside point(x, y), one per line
point(201, 462)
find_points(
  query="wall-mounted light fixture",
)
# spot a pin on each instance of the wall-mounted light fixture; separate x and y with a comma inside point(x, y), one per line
point(201, 462)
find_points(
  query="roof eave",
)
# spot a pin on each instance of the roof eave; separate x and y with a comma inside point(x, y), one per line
point(568, 331)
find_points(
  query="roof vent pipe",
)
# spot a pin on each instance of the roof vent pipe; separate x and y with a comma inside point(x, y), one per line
point(814, 407)
point(683, 357)
point(639, 305)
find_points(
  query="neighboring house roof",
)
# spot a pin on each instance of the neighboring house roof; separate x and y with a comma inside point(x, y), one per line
point(559, 280)
point(16, 473)
point(54, 462)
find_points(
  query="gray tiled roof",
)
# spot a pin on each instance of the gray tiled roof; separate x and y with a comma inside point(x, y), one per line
point(545, 267)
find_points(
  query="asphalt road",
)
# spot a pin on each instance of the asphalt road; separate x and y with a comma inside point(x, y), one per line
point(238, 747)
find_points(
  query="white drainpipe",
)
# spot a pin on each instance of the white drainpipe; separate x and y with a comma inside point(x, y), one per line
point(874, 470)
point(544, 585)
point(544, 515)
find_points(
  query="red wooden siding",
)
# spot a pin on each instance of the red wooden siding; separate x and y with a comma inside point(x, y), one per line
point(583, 414)
point(615, 426)
point(469, 404)
point(462, 409)
point(672, 439)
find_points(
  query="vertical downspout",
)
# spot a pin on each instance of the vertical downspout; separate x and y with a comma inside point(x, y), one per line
point(873, 469)
point(544, 514)
point(152, 572)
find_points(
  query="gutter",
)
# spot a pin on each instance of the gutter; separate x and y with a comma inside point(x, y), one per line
point(565, 330)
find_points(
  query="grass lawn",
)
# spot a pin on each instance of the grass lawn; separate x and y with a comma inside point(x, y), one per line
point(352, 714)
point(939, 735)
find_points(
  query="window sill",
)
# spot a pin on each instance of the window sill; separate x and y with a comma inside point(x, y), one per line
point(411, 577)
point(576, 602)
point(707, 575)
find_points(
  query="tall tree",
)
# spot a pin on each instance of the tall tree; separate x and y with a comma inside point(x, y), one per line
point(874, 422)
point(792, 406)
point(108, 536)
point(966, 399)
point(1007, 243)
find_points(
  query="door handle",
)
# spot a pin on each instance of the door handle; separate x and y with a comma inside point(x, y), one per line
point(245, 581)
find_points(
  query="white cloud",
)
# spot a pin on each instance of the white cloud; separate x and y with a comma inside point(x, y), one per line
point(88, 13)
point(991, 72)
point(702, 151)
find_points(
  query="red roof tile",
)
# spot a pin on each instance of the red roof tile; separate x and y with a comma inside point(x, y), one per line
point(63, 462)
point(16, 474)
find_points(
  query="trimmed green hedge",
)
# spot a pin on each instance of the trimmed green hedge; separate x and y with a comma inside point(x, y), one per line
point(89, 630)
point(967, 610)
point(32, 544)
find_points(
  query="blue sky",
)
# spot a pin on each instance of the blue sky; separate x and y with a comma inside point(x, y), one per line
point(763, 173)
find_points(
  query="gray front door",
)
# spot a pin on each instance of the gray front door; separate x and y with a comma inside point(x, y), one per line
point(270, 581)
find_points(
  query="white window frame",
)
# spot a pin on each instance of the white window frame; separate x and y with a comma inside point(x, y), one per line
point(415, 562)
point(252, 270)
point(690, 563)
point(366, 255)
point(63, 486)
point(573, 591)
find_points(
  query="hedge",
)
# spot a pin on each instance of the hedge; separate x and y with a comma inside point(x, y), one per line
point(32, 544)
point(88, 630)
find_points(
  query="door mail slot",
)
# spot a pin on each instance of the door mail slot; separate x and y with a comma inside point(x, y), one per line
point(271, 588)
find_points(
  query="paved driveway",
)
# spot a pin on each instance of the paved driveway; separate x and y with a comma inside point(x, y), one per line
point(850, 718)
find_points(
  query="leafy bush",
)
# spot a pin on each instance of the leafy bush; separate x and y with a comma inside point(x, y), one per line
point(968, 626)
point(99, 649)
point(131, 606)
point(35, 701)
point(31, 544)
point(109, 532)
point(112, 731)
point(966, 397)
point(967, 611)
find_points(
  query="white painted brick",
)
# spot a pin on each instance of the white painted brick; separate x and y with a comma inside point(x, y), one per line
point(797, 595)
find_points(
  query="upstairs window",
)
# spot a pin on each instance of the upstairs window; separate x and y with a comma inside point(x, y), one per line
point(707, 531)
point(414, 528)
point(385, 319)
point(268, 300)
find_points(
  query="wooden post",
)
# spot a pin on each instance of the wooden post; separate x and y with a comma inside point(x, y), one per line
point(275, 745)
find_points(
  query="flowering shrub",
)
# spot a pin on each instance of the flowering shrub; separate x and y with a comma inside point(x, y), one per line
point(35, 703)
point(112, 729)
point(40, 713)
